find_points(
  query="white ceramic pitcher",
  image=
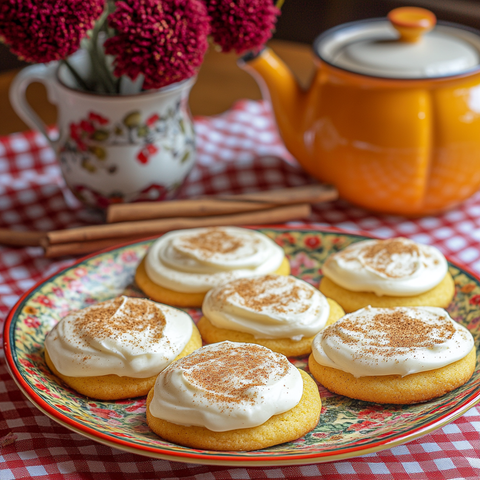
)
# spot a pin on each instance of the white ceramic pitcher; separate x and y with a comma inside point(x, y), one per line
point(114, 148)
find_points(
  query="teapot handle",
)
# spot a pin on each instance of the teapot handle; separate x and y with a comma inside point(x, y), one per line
point(35, 73)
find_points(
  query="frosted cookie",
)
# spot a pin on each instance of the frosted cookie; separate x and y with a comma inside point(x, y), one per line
point(233, 396)
point(115, 349)
point(388, 273)
point(399, 355)
point(182, 266)
point(279, 312)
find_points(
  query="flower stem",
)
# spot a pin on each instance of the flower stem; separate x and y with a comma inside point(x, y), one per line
point(75, 74)
point(279, 4)
point(99, 65)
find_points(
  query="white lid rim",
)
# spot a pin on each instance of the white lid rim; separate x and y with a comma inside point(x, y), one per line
point(344, 26)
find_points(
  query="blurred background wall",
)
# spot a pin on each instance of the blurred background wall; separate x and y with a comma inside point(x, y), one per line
point(303, 20)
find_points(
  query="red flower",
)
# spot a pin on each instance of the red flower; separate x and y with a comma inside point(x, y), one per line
point(242, 25)
point(151, 149)
point(136, 408)
point(61, 407)
point(475, 300)
point(32, 322)
point(44, 300)
point(362, 425)
point(285, 238)
point(76, 134)
point(374, 415)
point(57, 291)
point(45, 30)
point(163, 40)
point(144, 154)
point(87, 126)
point(312, 242)
point(95, 117)
point(80, 271)
point(129, 256)
point(152, 119)
point(40, 386)
point(104, 413)
point(142, 157)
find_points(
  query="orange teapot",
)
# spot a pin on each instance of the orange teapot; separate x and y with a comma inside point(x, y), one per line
point(392, 117)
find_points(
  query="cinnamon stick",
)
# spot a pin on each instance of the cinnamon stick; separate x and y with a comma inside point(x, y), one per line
point(221, 205)
point(21, 239)
point(288, 196)
point(77, 248)
point(181, 208)
point(153, 227)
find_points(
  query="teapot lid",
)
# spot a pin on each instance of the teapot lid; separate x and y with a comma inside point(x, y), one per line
point(408, 45)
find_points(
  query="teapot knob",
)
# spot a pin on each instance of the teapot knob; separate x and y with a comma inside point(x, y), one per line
point(412, 22)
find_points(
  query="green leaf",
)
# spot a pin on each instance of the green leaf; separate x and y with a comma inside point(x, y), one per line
point(99, 152)
point(87, 165)
point(100, 135)
point(132, 120)
point(142, 131)
point(182, 126)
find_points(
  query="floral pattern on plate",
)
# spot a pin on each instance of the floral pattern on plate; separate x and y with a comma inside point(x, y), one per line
point(347, 427)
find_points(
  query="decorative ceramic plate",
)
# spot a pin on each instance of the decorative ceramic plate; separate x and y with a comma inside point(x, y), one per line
point(347, 428)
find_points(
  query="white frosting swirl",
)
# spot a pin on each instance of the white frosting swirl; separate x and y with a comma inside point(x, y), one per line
point(268, 306)
point(398, 267)
point(196, 260)
point(392, 341)
point(226, 386)
point(128, 337)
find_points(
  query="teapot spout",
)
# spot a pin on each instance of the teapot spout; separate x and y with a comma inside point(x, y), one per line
point(278, 84)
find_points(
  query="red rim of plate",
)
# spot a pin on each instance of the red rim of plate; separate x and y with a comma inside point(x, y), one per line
point(227, 457)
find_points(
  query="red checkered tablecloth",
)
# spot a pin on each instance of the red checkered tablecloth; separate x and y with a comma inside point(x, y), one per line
point(238, 151)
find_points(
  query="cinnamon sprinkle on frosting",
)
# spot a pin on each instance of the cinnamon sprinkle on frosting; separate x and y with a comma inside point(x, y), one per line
point(212, 241)
point(225, 386)
point(196, 260)
point(230, 374)
point(268, 306)
point(125, 336)
point(396, 267)
point(258, 293)
point(395, 329)
point(392, 341)
point(384, 256)
point(112, 319)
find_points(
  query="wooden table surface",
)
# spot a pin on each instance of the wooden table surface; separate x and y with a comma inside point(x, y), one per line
point(220, 83)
